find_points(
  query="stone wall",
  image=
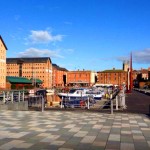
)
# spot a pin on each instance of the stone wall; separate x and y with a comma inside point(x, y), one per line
point(14, 106)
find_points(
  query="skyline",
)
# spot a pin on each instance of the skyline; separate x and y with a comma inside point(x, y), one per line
point(81, 34)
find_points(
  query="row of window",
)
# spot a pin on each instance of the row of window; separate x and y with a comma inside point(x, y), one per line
point(2, 77)
point(30, 64)
point(31, 76)
point(113, 78)
point(29, 68)
point(27, 72)
point(110, 74)
point(2, 57)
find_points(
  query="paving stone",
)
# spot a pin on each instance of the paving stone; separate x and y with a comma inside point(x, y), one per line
point(126, 138)
point(73, 130)
point(113, 145)
point(114, 137)
point(127, 146)
point(141, 145)
point(88, 139)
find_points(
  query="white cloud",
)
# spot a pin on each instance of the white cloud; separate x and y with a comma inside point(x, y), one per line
point(142, 57)
point(138, 57)
point(38, 37)
point(33, 52)
point(123, 58)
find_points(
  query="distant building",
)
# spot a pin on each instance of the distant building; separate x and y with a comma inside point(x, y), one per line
point(3, 49)
point(144, 74)
point(59, 76)
point(125, 65)
point(36, 69)
point(81, 78)
point(141, 75)
point(114, 76)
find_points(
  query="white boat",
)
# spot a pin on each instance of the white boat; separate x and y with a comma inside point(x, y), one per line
point(97, 95)
point(82, 93)
point(74, 93)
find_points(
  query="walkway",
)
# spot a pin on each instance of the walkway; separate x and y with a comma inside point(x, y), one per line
point(73, 130)
point(137, 103)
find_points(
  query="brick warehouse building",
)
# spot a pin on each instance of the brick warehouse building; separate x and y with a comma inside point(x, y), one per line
point(36, 68)
point(114, 76)
point(81, 78)
point(3, 49)
point(59, 76)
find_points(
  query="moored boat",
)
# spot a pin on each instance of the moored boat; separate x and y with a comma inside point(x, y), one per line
point(76, 93)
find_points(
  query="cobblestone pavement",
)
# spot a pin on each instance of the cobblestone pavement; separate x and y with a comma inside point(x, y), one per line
point(65, 130)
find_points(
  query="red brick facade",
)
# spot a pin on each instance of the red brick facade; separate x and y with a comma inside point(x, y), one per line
point(81, 78)
point(59, 76)
point(115, 77)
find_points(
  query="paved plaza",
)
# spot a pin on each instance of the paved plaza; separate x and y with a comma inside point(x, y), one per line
point(73, 130)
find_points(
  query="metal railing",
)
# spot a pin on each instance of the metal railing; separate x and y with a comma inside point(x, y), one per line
point(17, 96)
point(116, 99)
point(12, 96)
point(36, 101)
point(83, 102)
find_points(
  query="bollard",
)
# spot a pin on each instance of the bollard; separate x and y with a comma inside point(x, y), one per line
point(123, 102)
point(4, 100)
point(23, 96)
point(111, 106)
point(19, 96)
point(62, 102)
point(43, 101)
point(7, 95)
point(117, 102)
point(12, 97)
point(88, 103)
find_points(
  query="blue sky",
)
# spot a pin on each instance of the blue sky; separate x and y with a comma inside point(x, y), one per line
point(78, 34)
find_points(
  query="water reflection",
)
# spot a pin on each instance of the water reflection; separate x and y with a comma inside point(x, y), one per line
point(52, 100)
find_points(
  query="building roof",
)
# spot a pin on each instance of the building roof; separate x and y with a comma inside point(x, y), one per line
point(112, 71)
point(18, 80)
point(144, 70)
point(59, 68)
point(3, 42)
point(36, 80)
point(81, 71)
point(27, 60)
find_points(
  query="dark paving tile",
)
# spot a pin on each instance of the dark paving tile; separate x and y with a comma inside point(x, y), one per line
point(82, 146)
point(39, 146)
point(126, 138)
point(113, 145)
point(141, 146)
